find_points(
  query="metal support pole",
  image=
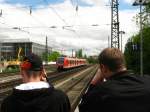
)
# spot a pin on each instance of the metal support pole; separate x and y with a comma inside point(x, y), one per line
point(72, 52)
point(115, 24)
point(121, 34)
point(46, 52)
point(25, 50)
point(141, 41)
point(121, 42)
point(108, 42)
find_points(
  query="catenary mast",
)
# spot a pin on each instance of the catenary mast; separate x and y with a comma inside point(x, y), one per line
point(114, 24)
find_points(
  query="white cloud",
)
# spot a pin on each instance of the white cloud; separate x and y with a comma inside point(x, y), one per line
point(81, 35)
point(127, 24)
point(96, 2)
point(129, 1)
point(2, 1)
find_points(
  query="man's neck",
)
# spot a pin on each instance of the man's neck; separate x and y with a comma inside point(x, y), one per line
point(32, 80)
point(119, 70)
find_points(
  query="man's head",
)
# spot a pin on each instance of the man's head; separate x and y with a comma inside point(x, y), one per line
point(32, 68)
point(111, 60)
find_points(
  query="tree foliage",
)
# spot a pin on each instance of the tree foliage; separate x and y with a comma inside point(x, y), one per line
point(92, 60)
point(132, 48)
point(79, 53)
point(132, 51)
point(51, 56)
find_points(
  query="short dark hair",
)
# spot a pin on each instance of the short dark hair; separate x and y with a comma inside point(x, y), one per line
point(32, 64)
point(113, 58)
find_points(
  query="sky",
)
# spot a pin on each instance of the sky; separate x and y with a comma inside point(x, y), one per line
point(67, 28)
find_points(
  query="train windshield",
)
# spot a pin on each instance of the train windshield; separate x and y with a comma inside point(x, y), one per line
point(60, 60)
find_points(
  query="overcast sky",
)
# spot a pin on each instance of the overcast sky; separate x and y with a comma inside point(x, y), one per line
point(66, 28)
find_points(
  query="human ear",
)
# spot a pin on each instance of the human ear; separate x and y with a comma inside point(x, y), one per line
point(102, 68)
point(43, 75)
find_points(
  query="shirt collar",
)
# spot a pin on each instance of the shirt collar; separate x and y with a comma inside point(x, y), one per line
point(33, 85)
point(120, 74)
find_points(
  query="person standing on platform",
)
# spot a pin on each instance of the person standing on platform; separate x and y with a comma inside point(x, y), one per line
point(121, 91)
point(35, 94)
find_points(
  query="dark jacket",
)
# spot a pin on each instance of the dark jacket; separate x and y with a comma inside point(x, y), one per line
point(37, 100)
point(123, 92)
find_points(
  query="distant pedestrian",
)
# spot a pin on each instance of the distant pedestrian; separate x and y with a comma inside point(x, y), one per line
point(35, 94)
point(121, 91)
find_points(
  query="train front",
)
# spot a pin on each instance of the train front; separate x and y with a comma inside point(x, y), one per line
point(60, 63)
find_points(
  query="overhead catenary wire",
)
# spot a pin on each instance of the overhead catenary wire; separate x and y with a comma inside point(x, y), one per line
point(31, 14)
point(30, 8)
point(44, 26)
point(53, 9)
point(16, 28)
point(72, 2)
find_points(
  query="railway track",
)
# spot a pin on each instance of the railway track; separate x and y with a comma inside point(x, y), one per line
point(7, 85)
point(49, 68)
point(77, 85)
point(12, 81)
point(8, 74)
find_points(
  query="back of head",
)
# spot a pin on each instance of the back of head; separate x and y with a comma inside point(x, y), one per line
point(32, 64)
point(112, 58)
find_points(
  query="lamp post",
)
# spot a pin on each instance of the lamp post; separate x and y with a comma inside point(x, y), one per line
point(121, 33)
point(141, 3)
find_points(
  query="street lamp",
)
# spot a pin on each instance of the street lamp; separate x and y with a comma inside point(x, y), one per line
point(141, 3)
point(121, 33)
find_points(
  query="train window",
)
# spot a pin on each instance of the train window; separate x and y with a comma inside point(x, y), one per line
point(60, 60)
point(69, 62)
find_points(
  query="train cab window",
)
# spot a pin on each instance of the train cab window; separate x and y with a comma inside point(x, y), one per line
point(60, 60)
point(70, 62)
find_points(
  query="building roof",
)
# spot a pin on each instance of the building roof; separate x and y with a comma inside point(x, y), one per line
point(15, 40)
point(24, 40)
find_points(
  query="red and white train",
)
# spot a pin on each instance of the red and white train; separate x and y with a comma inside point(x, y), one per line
point(67, 63)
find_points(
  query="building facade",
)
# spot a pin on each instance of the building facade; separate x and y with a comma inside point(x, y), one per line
point(11, 49)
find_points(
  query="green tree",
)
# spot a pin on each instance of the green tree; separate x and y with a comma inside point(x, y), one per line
point(53, 56)
point(79, 53)
point(85, 56)
point(132, 52)
point(45, 56)
point(92, 60)
point(132, 48)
